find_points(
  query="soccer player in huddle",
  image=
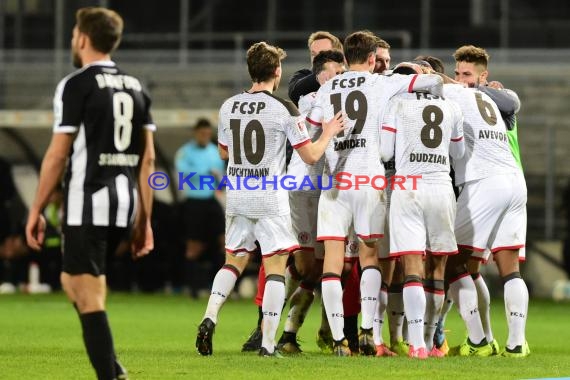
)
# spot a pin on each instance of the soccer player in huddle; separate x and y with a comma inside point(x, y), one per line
point(252, 130)
point(304, 207)
point(305, 81)
point(421, 131)
point(363, 96)
point(487, 224)
point(103, 126)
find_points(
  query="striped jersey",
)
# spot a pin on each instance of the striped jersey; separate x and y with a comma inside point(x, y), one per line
point(253, 128)
point(107, 110)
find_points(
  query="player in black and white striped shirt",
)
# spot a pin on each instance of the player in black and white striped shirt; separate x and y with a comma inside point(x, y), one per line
point(103, 130)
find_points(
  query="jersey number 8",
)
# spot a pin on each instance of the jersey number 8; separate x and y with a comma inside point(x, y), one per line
point(123, 115)
point(431, 133)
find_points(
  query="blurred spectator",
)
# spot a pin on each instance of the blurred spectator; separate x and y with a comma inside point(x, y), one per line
point(203, 216)
point(14, 255)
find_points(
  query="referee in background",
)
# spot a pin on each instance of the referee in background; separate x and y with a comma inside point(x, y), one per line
point(103, 128)
point(203, 217)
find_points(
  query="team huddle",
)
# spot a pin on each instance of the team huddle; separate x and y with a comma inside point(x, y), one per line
point(391, 249)
point(407, 251)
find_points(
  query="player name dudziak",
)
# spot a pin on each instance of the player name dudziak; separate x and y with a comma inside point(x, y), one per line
point(493, 135)
point(349, 144)
point(246, 172)
point(428, 157)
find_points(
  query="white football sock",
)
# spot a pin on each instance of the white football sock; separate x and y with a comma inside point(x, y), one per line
point(370, 282)
point(379, 316)
point(415, 308)
point(464, 294)
point(484, 303)
point(516, 307)
point(395, 312)
point(222, 286)
point(332, 299)
point(273, 299)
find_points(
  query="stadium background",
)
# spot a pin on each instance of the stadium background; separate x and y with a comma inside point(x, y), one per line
point(190, 54)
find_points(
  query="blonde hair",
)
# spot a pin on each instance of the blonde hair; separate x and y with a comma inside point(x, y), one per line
point(323, 35)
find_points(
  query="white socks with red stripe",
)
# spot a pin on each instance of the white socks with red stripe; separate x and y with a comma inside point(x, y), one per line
point(415, 308)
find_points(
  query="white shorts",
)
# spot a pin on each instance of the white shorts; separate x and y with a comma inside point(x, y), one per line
point(491, 215)
point(365, 209)
point(484, 256)
point(275, 235)
point(304, 214)
point(422, 220)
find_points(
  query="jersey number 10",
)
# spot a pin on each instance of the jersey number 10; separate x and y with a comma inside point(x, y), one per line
point(253, 154)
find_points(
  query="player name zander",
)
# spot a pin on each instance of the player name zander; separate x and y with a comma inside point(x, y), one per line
point(349, 144)
point(248, 172)
point(428, 157)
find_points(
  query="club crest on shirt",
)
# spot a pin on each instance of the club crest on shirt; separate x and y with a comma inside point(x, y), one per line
point(303, 237)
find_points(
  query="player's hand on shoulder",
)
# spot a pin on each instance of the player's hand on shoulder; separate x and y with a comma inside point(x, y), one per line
point(335, 125)
point(495, 84)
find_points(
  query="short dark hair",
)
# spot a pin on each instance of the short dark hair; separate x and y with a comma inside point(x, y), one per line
point(202, 123)
point(472, 54)
point(324, 57)
point(262, 61)
point(104, 27)
point(404, 70)
point(359, 45)
point(435, 63)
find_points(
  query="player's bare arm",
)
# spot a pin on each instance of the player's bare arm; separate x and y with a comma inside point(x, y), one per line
point(223, 151)
point(143, 241)
point(312, 152)
point(431, 83)
point(51, 172)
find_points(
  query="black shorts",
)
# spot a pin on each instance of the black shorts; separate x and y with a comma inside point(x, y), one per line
point(204, 219)
point(86, 248)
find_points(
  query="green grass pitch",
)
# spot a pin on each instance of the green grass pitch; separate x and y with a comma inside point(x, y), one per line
point(154, 337)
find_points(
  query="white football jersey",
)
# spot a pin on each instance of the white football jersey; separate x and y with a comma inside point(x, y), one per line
point(297, 167)
point(487, 151)
point(253, 128)
point(417, 130)
point(362, 97)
